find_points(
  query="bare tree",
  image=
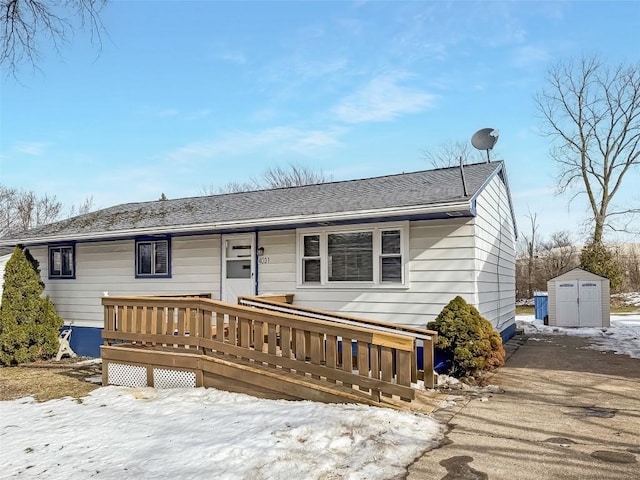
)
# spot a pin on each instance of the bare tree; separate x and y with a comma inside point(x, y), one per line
point(449, 153)
point(529, 247)
point(275, 177)
point(557, 255)
point(592, 114)
point(82, 208)
point(291, 176)
point(21, 210)
point(24, 24)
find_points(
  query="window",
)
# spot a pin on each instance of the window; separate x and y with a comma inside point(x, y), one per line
point(391, 257)
point(342, 257)
point(350, 257)
point(62, 261)
point(152, 258)
point(311, 259)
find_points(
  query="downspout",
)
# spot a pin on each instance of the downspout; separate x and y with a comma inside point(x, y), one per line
point(222, 267)
point(255, 259)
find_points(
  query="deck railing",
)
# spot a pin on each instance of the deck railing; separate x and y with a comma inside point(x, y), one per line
point(424, 346)
point(316, 349)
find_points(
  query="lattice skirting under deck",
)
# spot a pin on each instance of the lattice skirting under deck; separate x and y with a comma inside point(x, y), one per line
point(148, 376)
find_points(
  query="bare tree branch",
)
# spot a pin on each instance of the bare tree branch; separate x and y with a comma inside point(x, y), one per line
point(26, 24)
point(275, 177)
point(448, 154)
point(592, 114)
point(21, 210)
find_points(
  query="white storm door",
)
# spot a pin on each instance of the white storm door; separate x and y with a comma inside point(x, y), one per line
point(590, 304)
point(238, 267)
point(567, 304)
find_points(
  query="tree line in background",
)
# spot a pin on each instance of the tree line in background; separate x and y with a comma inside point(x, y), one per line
point(539, 260)
point(24, 209)
point(277, 176)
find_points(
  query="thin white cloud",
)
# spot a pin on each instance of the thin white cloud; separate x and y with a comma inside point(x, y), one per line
point(530, 57)
point(383, 99)
point(31, 148)
point(233, 56)
point(197, 115)
point(272, 141)
point(169, 112)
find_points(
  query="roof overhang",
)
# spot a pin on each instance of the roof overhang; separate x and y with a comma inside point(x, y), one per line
point(441, 210)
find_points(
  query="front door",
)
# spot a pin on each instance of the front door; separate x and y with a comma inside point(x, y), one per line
point(567, 304)
point(238, 267)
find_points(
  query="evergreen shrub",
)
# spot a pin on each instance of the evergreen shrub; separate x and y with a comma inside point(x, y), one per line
point(599, 259)
point(467, 341)
point(29, 325)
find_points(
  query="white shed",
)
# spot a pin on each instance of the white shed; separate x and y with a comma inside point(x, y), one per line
point(579, 299)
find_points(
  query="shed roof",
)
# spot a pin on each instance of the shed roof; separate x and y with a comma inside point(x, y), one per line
point(584, 274)
point(438, 190)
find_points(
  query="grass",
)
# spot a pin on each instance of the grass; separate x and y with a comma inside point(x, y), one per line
point(624, 309)
point(45, 382)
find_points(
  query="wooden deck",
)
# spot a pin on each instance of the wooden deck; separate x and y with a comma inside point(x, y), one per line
point(261, 350)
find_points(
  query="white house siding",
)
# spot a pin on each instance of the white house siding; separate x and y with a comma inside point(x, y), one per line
point(279, 275)
point(495, 255)
point(441, 266)
point(110, 267)
point(3, 262)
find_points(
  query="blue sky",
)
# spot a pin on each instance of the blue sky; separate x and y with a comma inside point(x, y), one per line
point(187, 95)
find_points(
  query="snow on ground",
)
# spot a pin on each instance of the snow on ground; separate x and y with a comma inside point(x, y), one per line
point(119, 432)
point(622, 337)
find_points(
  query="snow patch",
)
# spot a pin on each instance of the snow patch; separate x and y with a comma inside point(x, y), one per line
point(622, 337)
point(119, 432)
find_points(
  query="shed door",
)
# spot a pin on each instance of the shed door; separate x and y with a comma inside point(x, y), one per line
point(567, 304)
point(238, 266)
point(590, 304)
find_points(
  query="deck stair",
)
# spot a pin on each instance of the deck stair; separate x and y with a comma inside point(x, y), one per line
point(178, 341)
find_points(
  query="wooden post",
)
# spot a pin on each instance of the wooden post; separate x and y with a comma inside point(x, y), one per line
point(403, 367)
point(105, 373)
point(427, 363)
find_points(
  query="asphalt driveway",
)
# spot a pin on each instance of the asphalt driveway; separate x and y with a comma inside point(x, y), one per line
point(562, 412)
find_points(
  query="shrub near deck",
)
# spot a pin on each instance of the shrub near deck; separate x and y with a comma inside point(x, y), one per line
point(29, 324)
point(467, 340)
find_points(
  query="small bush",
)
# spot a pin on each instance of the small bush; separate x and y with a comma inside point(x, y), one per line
point(467, 340)
point(29, 324)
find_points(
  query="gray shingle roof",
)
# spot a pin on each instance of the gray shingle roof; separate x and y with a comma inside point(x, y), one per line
point(424, 188)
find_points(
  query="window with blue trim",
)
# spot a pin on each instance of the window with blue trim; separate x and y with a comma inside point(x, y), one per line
point(152, 258)
point(62, 261)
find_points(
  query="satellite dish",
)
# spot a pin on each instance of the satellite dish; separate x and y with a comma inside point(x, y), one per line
point(485, 139)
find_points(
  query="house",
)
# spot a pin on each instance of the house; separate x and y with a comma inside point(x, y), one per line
point(5, 255)
point(395, 248)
